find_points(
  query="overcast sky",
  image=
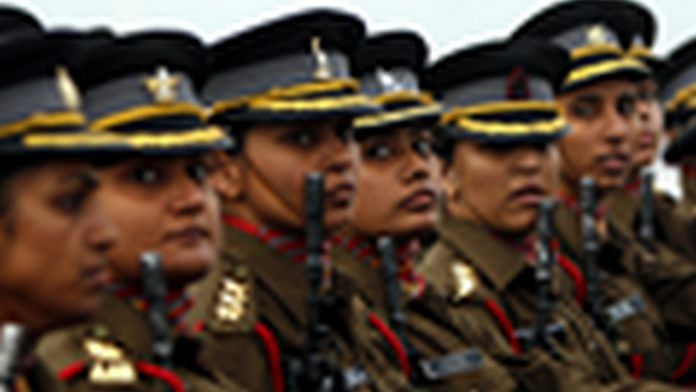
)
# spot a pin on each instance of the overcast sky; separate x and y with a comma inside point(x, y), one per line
point(447, 24)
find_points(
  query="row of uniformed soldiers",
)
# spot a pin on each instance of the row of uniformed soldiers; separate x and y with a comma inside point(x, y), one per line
point(302, 207)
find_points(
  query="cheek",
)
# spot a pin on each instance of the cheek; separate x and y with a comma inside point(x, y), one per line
point(43, 260)
point(484, 187)
point(213, 214)
point(139, 224)
point(377, 196)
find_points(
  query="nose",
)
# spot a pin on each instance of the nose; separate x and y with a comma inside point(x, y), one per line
point(415, 166)
point(619, 126)
point(528, 159)
point(101, 232)
point(188, 195)
point(643, 111)
point(341, 154)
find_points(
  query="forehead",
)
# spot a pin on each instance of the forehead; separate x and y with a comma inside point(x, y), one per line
point(607, 90)
point(396, 133)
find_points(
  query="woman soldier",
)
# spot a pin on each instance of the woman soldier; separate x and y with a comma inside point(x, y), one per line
point(398, 202)
point(141, 103)
point(285, 93)
point(600, 102)
point(490, 260)
point(55, 235)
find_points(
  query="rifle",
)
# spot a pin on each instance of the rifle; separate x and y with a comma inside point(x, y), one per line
point(546, 259)
point(11, 341)
point(316, 368)
point(155, 291)
point(647, 211)
point(590, 247)
point(397, 317)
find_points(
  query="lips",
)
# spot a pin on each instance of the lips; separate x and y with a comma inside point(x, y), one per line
point(646, 139)
point(613, 163)
point(97, 277)
point(422, 199)
point(341, 195)
point(188, 234)
point(528, 195)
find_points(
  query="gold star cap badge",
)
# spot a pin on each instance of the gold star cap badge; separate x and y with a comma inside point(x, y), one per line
point(597, 34)
point(465, 281)
point(67, 89)
point(163, 85)
point(323, 68)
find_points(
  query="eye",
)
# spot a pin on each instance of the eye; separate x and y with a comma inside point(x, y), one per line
point(303, 139)
point(146, 175)
point(626, 105)
point(346, 134)
point(584, 111)
point(198, 172)
point(423, 147)
point(72, 202)
point(380, 151)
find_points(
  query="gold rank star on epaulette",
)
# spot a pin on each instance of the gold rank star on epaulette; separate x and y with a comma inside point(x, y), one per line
point(233, 308)
point(108, 363)
point(464, 279)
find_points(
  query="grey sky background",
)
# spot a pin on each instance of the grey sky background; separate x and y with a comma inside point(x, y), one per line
point(446, 24)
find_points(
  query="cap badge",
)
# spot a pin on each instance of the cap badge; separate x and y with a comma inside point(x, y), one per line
point(67, 89)
point(465, 281)
point(163, 85)
point(597, 35)
point(517, 85)
point(323, 68)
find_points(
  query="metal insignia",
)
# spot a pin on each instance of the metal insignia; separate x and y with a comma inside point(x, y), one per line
point(163, 85)
point(465, 281)
point(232, 301)
point(517, 85)
point(108, 363)
point(323, 68)
point(67, 89)
point(597, 34)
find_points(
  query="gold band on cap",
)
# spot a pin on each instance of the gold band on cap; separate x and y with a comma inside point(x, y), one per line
point(545, 127)
point(381, 119)
point(604, 67)
point(501, 107)
point(405, 96)
point(595, 50)
point(278, 99)
point(147, 112)
point(640, 51)
point(682, 96)
point(43, 120)
point(192, 138)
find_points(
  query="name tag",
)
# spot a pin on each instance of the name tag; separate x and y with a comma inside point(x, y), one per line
point(452, 364)
point(355, 377)
point(625, 308)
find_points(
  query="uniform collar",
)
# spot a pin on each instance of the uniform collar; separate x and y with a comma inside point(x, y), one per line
point(178, 303)
point(364, 250)
point(495, 259)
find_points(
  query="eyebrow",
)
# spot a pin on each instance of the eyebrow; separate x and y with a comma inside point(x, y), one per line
point(588, 99)
point(82, 178)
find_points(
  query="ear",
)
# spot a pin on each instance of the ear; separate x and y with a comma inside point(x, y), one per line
point(227, 179)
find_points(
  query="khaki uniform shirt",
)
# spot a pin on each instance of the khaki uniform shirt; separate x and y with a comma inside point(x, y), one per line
point(256, 285)
point(441, 357)
point(490, 285)
point(110, 348)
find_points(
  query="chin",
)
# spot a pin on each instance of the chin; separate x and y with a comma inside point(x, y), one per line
point(414, 225)
point(336, 220)
point(611, 182)
point(189, 265)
